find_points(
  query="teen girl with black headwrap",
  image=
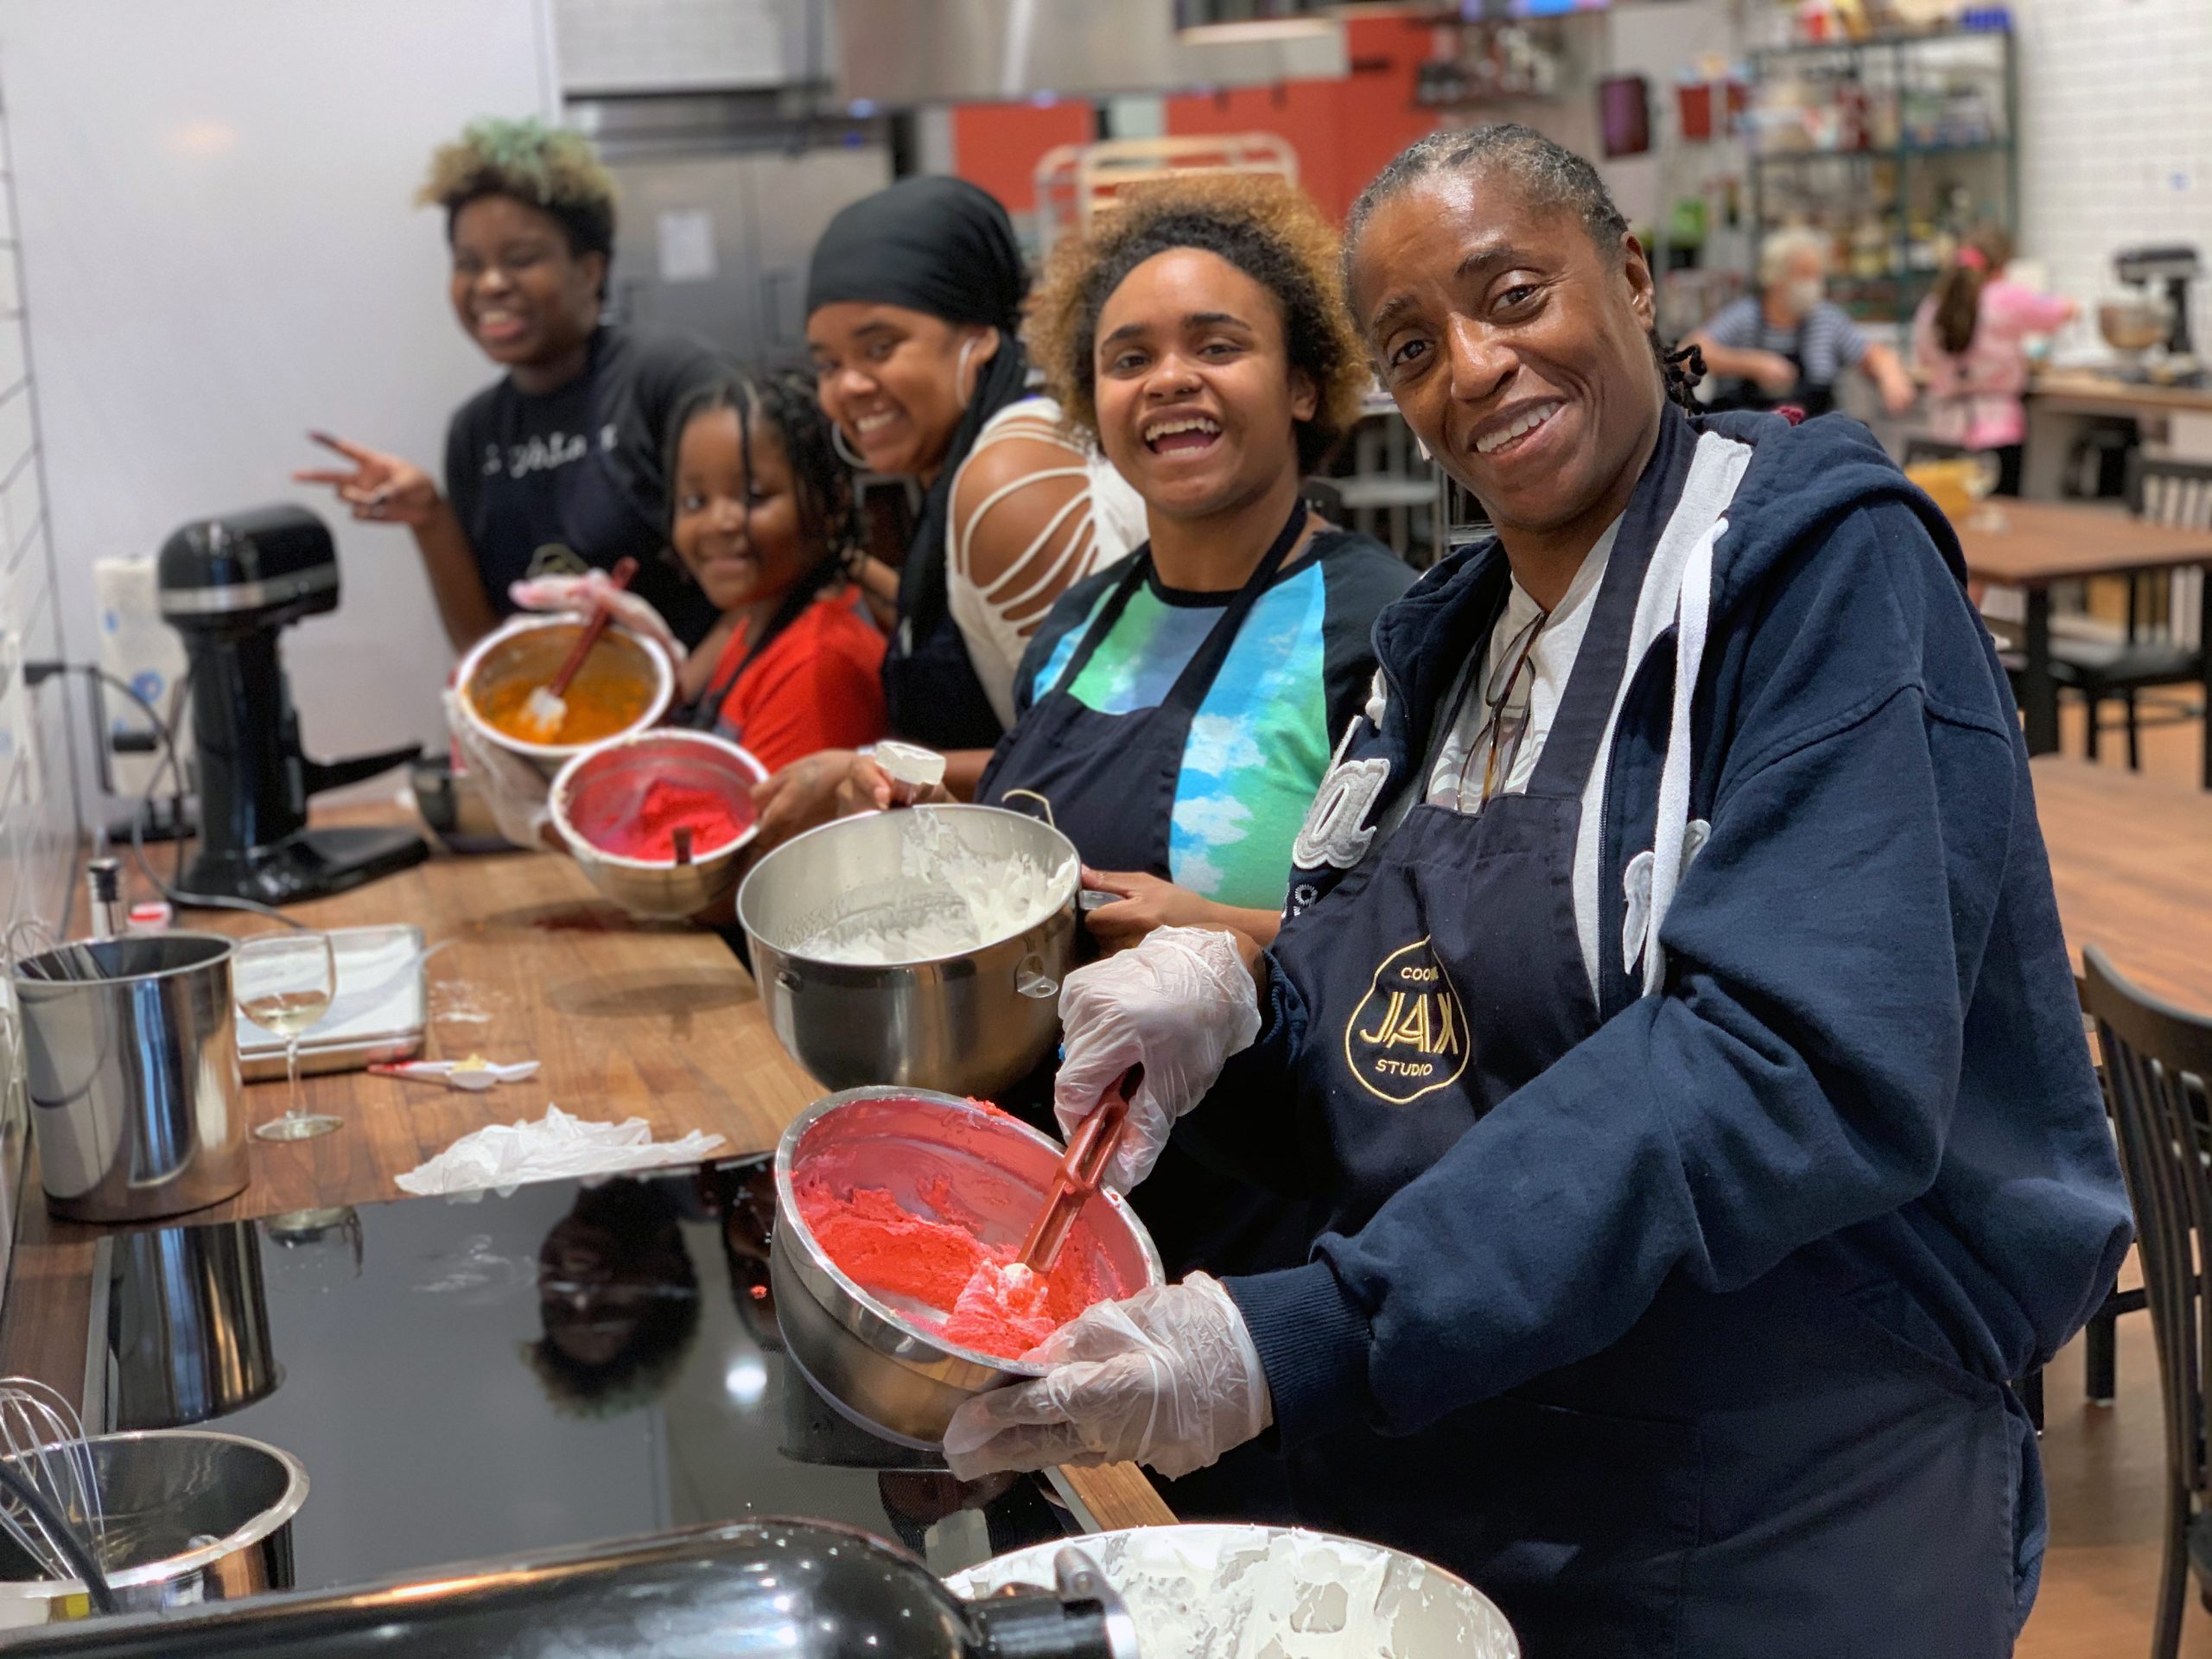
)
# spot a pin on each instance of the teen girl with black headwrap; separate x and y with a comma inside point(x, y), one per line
point(913, 304)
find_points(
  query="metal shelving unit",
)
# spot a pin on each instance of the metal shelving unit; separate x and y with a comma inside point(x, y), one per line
point(1888, 178)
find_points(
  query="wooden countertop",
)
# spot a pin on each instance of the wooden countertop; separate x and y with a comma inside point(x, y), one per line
point(663, 1023)
point(2044, 542)
point(2131, 858)
point(627, 1018)
point(2091, 392)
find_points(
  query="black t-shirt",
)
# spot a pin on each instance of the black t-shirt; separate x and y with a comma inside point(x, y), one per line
point(574, 477)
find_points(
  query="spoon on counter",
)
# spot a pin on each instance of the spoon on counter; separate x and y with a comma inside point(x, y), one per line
point(1089, 1149)
point(546, 711)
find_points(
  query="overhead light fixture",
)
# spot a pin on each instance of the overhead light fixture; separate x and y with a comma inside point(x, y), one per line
point(1202, 22)
point(1255, 29)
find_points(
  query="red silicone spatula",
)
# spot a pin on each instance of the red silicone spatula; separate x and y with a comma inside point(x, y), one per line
point(1089, 1149)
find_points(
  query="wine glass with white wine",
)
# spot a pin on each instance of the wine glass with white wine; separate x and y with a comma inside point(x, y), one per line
point(283, 983)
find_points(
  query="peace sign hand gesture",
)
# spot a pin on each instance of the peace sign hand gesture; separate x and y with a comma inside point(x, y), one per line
point(380, 488)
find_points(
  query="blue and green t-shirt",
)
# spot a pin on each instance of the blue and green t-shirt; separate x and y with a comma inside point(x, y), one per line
point(1299, 669)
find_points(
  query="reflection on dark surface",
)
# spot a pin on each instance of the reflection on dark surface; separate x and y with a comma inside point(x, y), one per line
point(618, 1298)
point(187, 1325)
point(317, 1249)
point(656, 1393)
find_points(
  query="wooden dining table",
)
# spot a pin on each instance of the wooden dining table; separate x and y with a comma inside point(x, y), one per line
point(627, 1018)
point(2033, 546)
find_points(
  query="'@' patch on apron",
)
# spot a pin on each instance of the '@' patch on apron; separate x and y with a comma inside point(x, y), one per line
point(1408, 1035)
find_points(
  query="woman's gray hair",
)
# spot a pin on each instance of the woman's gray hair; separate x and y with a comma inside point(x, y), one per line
point(1782, 248)
point(1547, 174)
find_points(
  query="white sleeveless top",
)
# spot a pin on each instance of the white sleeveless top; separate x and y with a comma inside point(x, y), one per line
point(1096, 528)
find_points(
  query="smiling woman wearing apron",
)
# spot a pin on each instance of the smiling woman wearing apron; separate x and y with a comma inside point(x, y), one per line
point(1175, 712)
point(1671, 1016)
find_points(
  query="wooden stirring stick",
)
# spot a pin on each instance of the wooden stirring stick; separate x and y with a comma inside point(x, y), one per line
point(1089, 1149)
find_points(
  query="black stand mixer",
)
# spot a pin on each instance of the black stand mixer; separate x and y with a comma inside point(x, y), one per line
point(229, 585)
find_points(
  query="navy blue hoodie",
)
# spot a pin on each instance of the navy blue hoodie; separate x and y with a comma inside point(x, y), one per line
point(1867, 1051)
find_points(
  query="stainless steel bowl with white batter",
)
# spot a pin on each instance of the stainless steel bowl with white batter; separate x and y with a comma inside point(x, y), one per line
point(970, 1022)
point(1203, 1592)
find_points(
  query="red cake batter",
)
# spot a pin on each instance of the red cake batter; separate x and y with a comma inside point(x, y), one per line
point(996, 1305)
point(713, 819)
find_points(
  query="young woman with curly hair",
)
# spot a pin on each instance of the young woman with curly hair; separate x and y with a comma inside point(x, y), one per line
point(557, 467)
point(1178, 708)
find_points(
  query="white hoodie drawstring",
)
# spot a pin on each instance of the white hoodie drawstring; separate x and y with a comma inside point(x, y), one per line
point(1671, 830)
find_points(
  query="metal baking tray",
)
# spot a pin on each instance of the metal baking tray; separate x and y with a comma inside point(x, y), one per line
point(379, 1013)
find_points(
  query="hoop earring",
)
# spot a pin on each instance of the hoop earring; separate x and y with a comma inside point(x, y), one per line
point(960, 374)
point(838, 442)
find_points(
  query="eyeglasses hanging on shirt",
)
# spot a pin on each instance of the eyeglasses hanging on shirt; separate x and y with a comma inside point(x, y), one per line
point(1507, 691)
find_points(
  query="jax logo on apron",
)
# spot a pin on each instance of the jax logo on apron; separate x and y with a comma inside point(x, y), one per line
point(1407, 1036)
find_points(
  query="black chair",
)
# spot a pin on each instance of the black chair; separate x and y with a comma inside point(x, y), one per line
point(2099, 1337)
point(2157, 1060)
point(2155, 652)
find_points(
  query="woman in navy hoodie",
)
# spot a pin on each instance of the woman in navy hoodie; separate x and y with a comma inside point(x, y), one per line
point(1670, 1011)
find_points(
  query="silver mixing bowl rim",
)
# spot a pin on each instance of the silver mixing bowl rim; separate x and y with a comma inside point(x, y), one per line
point(191, 1560)
point(1073, 865)
point(787, 1213)
point(656, 706)
point(558, 796)
point(27, 981)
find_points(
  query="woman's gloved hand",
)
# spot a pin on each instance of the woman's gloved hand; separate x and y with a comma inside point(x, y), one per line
point(1179, 1003)
point(1168, 1377)
point(585, 595)
point(516, 791)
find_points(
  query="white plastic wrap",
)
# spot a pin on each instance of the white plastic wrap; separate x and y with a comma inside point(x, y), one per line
point(555, 1147)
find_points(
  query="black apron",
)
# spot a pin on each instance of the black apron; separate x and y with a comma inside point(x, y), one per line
point(1111, 781)
point(1716, 1483)
point(1814, 396)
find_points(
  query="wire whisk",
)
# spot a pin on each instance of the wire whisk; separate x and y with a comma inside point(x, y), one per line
point(51, 1483)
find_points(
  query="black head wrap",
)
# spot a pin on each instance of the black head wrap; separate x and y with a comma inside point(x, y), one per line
point(945, 247)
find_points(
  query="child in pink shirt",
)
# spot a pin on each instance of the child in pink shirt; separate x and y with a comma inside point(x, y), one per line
point(1969, 344)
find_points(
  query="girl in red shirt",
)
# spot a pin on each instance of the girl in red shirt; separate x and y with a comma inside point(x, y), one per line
point(761, 514)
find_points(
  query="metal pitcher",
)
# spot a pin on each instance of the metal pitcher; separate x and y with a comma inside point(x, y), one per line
point(136, 1097)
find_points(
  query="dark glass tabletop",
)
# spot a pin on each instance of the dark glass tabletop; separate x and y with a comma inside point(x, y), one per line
point(462, 1379)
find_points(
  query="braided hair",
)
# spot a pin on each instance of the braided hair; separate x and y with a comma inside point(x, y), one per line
point(1548, 175)
point(783, 400)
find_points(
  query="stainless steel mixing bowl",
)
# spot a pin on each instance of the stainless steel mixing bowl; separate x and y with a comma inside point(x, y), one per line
point(191, 1516)
point(1167, 1575)
point(971, 1024)
point(530, 650)
point(604, 785)
point(869, 1358)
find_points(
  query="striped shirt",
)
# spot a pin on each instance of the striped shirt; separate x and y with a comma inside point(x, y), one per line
point(1832, 341)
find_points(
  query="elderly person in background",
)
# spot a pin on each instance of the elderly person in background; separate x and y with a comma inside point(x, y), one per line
point(1787, 343)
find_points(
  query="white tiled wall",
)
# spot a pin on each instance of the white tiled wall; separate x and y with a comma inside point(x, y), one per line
point(2115, 137)
point(38, 821)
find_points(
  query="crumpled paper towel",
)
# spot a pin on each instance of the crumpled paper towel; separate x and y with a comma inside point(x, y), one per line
point(508, 1155)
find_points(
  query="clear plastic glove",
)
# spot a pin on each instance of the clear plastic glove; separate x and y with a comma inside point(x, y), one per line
point(1167, 1378)
point(590, 593)
point(516, 791)
point(1179, 1003)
